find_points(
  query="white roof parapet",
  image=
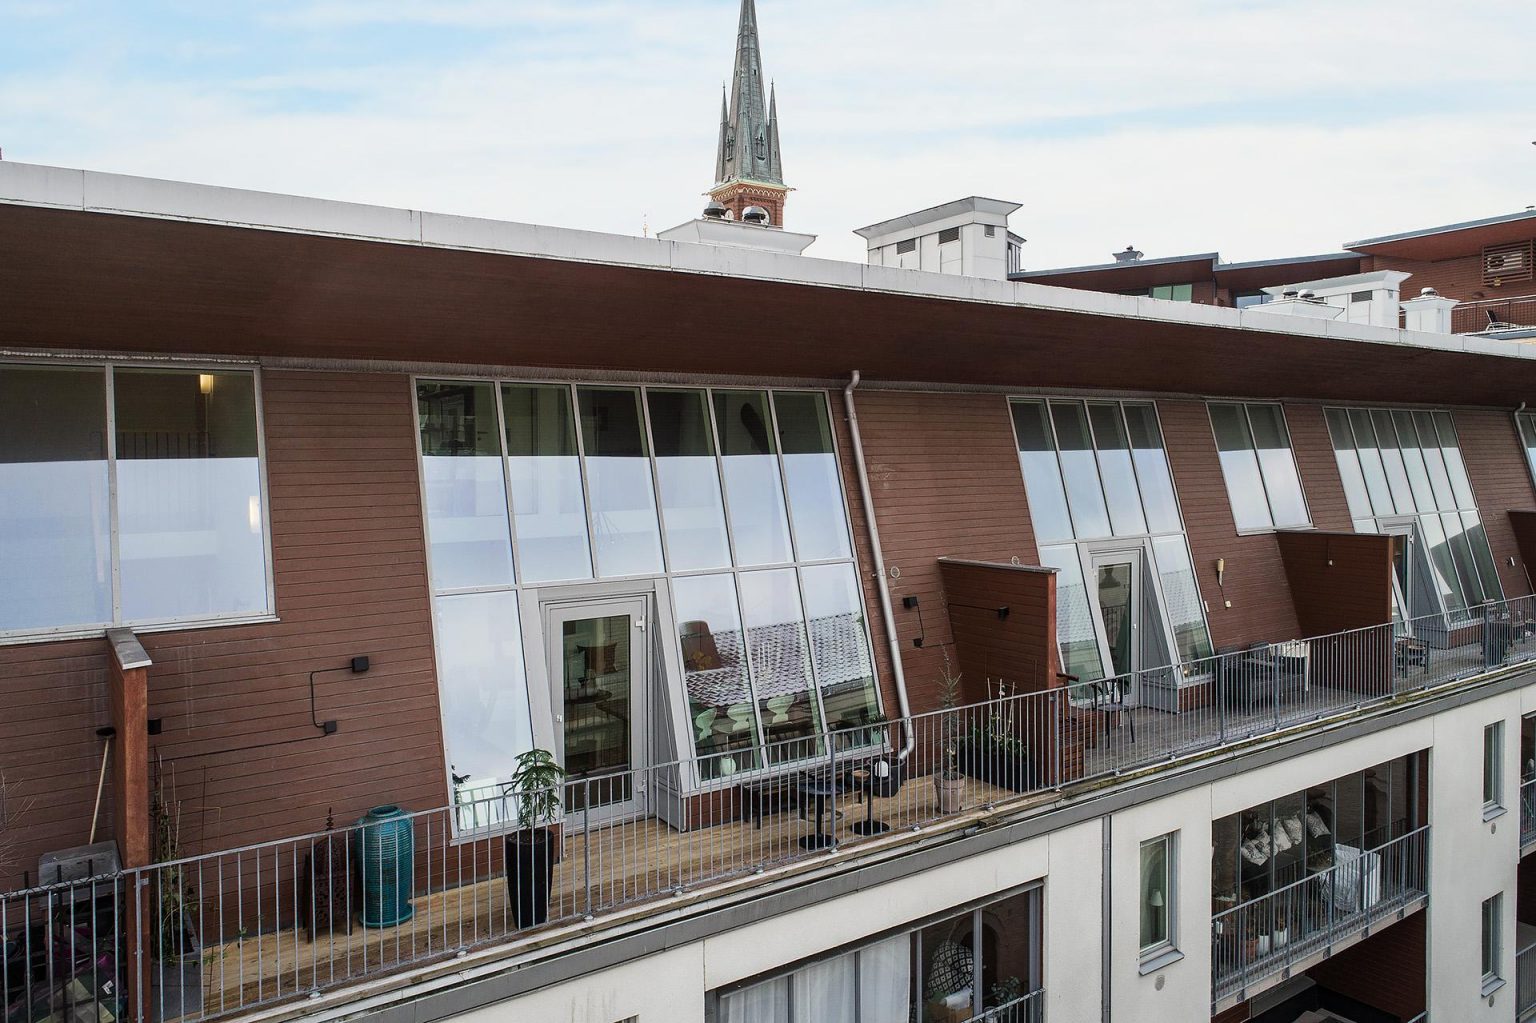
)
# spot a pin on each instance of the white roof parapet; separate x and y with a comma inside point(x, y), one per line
point(93, 191)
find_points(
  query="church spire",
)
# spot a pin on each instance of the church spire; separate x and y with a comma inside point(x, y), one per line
point(748, 168)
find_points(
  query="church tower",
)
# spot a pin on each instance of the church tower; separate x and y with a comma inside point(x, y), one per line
point(748, 169)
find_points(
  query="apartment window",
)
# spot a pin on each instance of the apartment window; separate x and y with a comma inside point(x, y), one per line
point(1173, 292)
point(129, 496)
point(1493, 767)
point(1493, 912)
point(1103, 507)
point(979, 962)
point(1260, 470)
point(1157, 896)
point(1245, 299)
point(733, 495)
point(1403, 474)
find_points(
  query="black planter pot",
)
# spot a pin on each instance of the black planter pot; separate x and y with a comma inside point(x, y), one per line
point(530, 862)
point(986, 762)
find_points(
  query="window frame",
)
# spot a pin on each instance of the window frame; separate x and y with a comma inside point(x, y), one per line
point(1491, 943)
point(669, 648)
point(1493, 770)
point(1290, 447)
point(1168, 944)
point(107, 368)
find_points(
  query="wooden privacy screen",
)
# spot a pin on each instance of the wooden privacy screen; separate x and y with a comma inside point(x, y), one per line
point(1342, 582)
point(1016, 648)
point(1524, 525)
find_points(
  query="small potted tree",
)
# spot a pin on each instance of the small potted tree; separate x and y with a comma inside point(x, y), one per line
point(176, 981)
point(948, 782)
point(530, 851)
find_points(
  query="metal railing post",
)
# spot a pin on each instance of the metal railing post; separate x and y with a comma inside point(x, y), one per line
point(586, 841)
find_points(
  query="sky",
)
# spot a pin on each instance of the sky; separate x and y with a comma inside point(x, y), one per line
point(1258, 129)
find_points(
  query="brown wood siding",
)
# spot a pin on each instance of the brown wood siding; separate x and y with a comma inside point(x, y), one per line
point(1501, 482)
point(1385, 971)
point(1319, 468)
point(1254, 581)
point(1340, 580)
point(945, 479)
point(1017, 650)
point(350, 574)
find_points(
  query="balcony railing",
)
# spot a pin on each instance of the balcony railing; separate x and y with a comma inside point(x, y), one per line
point(1525, 982)
point(1475, 317)
point(290, 918)
point(1028, 1008)
point(1527, 812)
point(1293, 927)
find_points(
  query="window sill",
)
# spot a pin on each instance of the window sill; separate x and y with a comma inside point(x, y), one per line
point(1491, 984)
point(1263, 530)
point(1493, 812)
point(99, 631)
point(1155, 961)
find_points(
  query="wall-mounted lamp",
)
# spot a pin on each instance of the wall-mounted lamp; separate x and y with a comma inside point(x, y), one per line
point(356, 666)
point(1221, 570)
point(205, 383)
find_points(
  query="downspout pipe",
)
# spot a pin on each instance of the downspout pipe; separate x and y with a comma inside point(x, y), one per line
point(886, 615)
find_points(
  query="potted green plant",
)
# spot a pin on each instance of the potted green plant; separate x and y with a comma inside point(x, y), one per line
point(992, 751)
point(176, 978)
point(948, 782)
point(530, 851)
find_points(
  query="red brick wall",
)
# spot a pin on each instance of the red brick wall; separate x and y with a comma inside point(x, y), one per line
point(1018, 650)
point(1501, 482)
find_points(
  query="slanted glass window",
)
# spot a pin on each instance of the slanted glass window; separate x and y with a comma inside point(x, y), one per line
point(1157, 896)
point(1403, 474)
point(55, 507)
point(1099, 487)
point(688, 478)
point(779, 654)
point(754, 493)
point(625, 534)
point(174, 453)
point(467, 537)
point(811, 477)
point(1260, 470)
point(715, 679)
point(834, 615)
point(549, 509)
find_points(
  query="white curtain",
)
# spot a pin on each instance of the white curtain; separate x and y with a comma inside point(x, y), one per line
point(762, 1003)
point(824, 992)
point(885, 981)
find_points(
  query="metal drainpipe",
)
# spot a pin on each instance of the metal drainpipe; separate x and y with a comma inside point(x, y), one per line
point(875, 552)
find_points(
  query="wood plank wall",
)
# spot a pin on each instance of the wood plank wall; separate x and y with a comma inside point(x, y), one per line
point(1017, 650)
point(350, 573)
point(1501, 482)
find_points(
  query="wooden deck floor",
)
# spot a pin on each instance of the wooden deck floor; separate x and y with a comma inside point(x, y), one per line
point(620, 865)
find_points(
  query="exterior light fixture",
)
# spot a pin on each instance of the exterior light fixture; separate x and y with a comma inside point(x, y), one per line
point(205, 383)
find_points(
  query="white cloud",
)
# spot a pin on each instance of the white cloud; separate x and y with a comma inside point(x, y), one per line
point(1259, 129)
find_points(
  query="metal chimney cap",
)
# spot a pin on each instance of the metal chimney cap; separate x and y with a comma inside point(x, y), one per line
point(754, 215)
point(1428, 293)
point(716, 211)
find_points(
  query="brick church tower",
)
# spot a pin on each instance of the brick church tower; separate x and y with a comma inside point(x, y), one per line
point(748, 169)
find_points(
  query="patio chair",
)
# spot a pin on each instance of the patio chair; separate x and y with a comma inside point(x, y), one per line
point(1110, 699)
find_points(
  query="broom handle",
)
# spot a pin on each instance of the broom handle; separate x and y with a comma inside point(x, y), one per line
point(101, 782)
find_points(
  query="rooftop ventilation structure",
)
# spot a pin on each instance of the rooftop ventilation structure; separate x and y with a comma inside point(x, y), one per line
point(1130, 255)
point(755, 215)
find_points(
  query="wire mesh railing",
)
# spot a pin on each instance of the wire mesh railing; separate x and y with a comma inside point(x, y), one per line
point(236, 929)
point(1279, 932)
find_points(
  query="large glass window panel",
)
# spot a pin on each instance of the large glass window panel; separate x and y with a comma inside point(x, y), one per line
point(947, 969)
point(721, 710)
point(1156, 894)
point(1527, 424)
point(1349, 464)
point(1115, 469)
point(885, 980)
point(834, 616)
point(1437, 549)
point(1152, 474)
point(55, 554)
point(466, 493)
point(1282, 483)
point(1429, 446)
point(816, 502)
point(826, 990)
point(487, 723)
point(767, 1002)
point(1042, 473)
point(1477, 542)
point(190, 519)
point(1079, 470)
point(1370, 462)
point(1460, 485)
point(688, 477)
point(780, 658)
point(1075, 634)
point(1181, 597)
point(1413, 461)
point(1461, 556)
point(625, 534)
point(1240, 466)
point(1392, 461)
point(753, 493)
point(549, 510)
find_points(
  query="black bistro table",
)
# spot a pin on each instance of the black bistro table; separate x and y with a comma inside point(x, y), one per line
point(820, 786)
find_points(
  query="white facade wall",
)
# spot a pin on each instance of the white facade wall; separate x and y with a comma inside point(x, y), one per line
point(1470, 859)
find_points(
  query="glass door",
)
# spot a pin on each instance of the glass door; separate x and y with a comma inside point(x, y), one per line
point(598, 658)
point(1130, 620)
point(1118, 583)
